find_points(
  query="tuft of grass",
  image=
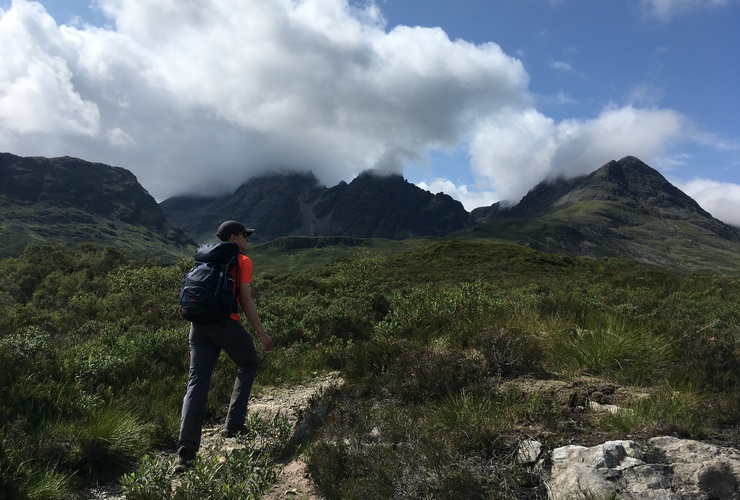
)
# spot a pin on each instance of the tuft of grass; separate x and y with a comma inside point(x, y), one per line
point(100, 447)
point(615, 350)
point(668, 410)
point(112, 441)
point(45, 484)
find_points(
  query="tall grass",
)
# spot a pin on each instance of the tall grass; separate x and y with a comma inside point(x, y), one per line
point(667, 410)
point(613, 348)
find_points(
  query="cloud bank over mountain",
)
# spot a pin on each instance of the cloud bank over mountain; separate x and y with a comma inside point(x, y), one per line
point(199, 96)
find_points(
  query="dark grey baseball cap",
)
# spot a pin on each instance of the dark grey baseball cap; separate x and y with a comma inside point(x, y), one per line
point(230, 227)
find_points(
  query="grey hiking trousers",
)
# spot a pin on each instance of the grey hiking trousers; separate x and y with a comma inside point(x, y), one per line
point(206, 343)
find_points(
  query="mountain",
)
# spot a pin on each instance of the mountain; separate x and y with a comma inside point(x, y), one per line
point(70, 201)
point(293, 204)
point(625, 208)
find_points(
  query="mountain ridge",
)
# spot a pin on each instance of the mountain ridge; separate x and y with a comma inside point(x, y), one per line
point(66, 200)
point(294, 204)
point(623, 209)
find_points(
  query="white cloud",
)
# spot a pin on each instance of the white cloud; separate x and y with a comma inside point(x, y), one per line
point(513, 152)
point(665, 10)
point(562, 66)
point(566, 67)
point(469, 197)
point(177, 91)
point(672, 162)
point(715, 142)
point(721, 199)
point(645, 95)
point(37, 95)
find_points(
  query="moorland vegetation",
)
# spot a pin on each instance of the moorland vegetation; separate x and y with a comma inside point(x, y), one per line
point(442, 348)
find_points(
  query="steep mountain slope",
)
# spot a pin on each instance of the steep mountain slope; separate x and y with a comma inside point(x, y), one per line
point(625, 208)
point(275, 205)
point(371, 206)
point(70, 201)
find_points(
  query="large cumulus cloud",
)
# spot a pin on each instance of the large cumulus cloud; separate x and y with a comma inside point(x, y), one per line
point(199, 96)
point(175, 91)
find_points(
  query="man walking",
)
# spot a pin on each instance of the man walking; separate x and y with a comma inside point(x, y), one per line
point(206, 342)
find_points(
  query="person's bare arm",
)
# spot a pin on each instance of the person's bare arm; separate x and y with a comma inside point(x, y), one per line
point(250, 311)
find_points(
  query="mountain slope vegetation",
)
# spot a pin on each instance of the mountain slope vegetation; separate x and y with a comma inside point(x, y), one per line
point(623, 209)
point(452, 353)
point(70, 201)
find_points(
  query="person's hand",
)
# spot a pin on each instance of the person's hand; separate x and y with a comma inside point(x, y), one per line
point(266, 342)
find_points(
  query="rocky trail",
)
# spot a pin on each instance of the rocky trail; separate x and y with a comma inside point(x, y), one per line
point(300, 405)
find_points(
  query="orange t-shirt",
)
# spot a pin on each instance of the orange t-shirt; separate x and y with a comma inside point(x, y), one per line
point(246, 268)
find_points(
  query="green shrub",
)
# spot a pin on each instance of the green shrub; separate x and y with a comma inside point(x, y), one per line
point(709, 357)
point(389, 450)
point(100, 447)
point(430, 311)
point(244, 473)
point(150, 480)
point(420, 374)
point(508, 353)
point(91, 349)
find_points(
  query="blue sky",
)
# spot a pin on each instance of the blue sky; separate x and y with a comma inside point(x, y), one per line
point(480, 99)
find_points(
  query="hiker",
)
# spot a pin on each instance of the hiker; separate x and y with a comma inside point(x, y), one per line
point(206, 342)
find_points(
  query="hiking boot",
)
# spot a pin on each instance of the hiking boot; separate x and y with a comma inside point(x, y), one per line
point(182, 465)
point(228, 432)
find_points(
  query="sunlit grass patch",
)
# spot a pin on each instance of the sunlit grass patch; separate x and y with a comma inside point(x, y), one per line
point(616, 350)
point(669, 409)
point(48, 484)
point(246, 472)
point(481, 415)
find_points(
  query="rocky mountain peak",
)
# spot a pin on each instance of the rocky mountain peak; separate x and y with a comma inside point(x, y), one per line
point(632, 178)
point(628, 183)
point(371, 206)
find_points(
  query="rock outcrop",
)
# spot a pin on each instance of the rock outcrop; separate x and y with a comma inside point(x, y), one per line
point(662, 468)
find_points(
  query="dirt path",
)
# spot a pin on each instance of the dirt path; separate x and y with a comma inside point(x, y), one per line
point(293, 403)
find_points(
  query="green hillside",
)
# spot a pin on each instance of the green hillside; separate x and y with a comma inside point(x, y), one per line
point(624, 209)
point(69, 201)
point(452, 352)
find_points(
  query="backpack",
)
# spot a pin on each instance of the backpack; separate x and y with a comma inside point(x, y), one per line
point(208, 293)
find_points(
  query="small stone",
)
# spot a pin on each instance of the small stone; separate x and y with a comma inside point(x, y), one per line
point(529, 452)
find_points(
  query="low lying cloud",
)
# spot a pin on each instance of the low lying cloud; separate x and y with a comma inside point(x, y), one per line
point(721, 199)
point(200, 96)
point(177, 92)
point(511, 149)
point(470, 199)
